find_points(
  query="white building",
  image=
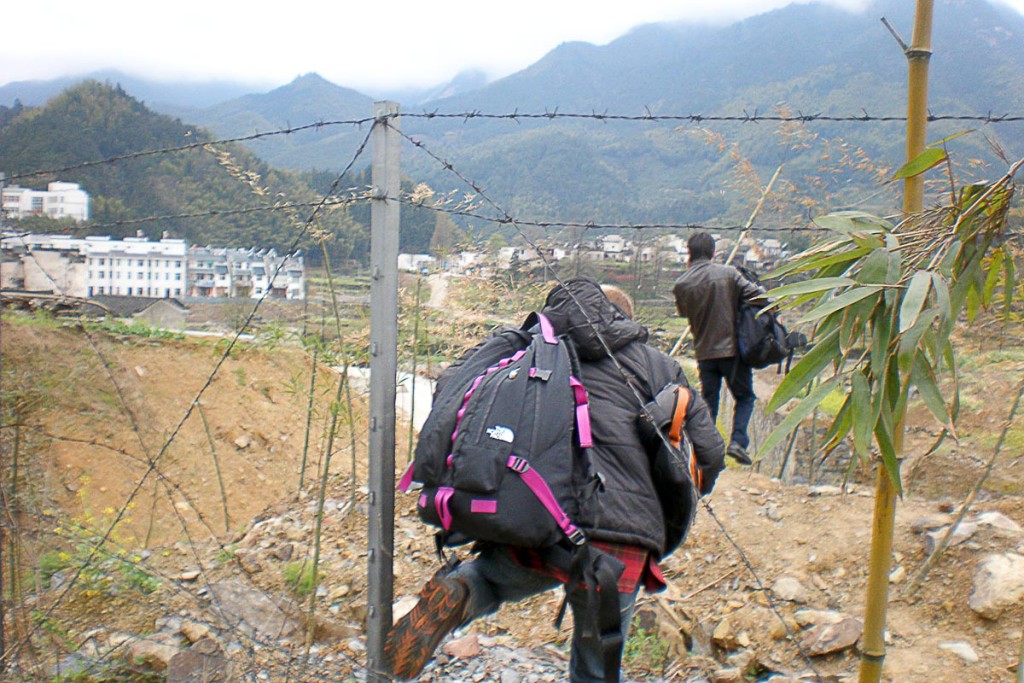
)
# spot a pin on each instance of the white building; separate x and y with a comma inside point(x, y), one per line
point(59, 200)
point(135, 266)
point(91, 266)
point(216, 272)
point(415, 263)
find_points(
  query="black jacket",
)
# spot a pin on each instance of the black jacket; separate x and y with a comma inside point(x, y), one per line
point(707, 294)
point(629, 509)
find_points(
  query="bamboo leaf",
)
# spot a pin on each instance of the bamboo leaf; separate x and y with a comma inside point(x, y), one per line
point(924, 379)
point(883, 437)
point(810, 286)
point(1010, 284)
point(942, 303)
point(847, 222)
point(914, 298)
point(845, 299)
point(863, 426)
point(803, 373)
point(928, 159)
point(803, 265)
point(995, 271)
point(950, 138)
point(796, 416)
point(874, 268)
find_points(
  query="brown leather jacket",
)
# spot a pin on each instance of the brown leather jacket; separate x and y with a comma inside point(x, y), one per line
point(707, 294)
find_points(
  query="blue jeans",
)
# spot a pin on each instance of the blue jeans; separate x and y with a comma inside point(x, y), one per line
point(740, 380)
point(494, 577)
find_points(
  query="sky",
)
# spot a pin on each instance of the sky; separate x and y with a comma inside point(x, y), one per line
point(373, 45)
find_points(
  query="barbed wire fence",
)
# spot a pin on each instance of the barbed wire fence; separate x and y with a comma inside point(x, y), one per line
point(285, 656)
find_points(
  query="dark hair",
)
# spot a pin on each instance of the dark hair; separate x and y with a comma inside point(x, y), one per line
point(701, 246)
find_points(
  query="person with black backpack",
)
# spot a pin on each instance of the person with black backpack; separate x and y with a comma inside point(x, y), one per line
point(615, 523)
point(708, 295)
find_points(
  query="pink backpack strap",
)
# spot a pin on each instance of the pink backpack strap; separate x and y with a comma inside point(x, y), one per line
point(582, 412)
point(543, 492)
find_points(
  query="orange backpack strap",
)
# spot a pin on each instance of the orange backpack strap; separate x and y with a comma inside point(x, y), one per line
point(675, 432)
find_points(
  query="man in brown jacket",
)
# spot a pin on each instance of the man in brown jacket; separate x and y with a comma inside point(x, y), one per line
point(707, 294)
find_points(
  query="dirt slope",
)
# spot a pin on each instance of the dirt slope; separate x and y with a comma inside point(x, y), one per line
point(83, 457)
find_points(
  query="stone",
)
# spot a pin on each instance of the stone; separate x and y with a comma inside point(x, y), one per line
point(827, 638)
point(825, 490)
point(813, 617)
point(789, 588)
point(465, 647)
point(195, 631)
point(962, 650)
point(254, 612)
point(998, 584)
point(153, 654)
point(730, 675)
point(249, 561)
point(243, 442)
point(724, 636)
point(1000, 522)
point(930, 522)
point(204, 662)
point(510, 676)
point(189, 575)
point(963, 532)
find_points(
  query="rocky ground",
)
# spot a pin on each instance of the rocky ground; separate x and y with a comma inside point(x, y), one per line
point(770, 585)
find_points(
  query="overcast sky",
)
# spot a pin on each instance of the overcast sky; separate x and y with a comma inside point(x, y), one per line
point(368, 45)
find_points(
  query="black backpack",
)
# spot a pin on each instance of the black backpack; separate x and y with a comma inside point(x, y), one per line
point(761, 339)
point(502, 458)
point(502, 454)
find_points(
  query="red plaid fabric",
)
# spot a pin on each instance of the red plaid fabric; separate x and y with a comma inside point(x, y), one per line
point(640, 566)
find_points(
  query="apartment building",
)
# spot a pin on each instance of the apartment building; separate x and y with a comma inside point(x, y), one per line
point(58, 200)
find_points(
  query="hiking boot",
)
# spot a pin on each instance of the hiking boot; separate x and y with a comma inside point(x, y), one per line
point(412, 640)
point(738, 453)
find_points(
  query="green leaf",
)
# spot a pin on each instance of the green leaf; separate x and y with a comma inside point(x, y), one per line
point(803, 373)
point(796, 416)
point(821, 261)
point(950, 138)
point(914, 298)
point(874, 268)
point(924, 378)
point(863, 425)
point(883, 436)
point(1010, 284)
point(941, 290)
point(810, 286)
point(845, 299)
point(928, 159)
point(995, 268)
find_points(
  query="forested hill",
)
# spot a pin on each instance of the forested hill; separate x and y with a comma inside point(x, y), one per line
point(208, 194)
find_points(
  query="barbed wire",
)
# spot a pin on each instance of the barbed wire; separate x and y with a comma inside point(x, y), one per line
point(745, 117)
point(594, 225)
point(287, 206)
point(188, 146)
point(623, 373)
point(154, 460)
point(554, 114)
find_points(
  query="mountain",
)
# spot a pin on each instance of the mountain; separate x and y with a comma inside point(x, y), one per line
point(93, 121)
point(812, 59)
point(308, 99)
point(155, 93)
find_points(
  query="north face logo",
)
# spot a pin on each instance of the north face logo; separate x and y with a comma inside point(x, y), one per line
point(500, 433)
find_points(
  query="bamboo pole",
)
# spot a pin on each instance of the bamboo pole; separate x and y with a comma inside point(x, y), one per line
point(873, 640)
